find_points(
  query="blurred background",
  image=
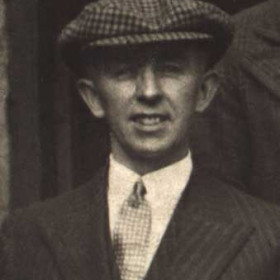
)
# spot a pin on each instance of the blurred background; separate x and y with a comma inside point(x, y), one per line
point(49, 143)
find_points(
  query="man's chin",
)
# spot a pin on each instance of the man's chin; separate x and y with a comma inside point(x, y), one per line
point(152, 154)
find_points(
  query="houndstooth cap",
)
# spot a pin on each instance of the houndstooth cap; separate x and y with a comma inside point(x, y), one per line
point(127, 22)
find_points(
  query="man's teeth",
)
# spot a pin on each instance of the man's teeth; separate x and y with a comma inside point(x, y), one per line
point(149, 120)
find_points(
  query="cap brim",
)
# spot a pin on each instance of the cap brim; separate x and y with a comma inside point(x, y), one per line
point(148, 38)
point(72, 52)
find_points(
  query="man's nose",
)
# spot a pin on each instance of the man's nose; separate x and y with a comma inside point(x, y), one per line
point(148, 85)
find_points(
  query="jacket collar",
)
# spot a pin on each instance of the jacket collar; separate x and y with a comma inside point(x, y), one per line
point(200, 242)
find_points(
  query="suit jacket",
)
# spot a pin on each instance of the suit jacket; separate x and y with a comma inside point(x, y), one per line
point(216, 232)
point(241, 129)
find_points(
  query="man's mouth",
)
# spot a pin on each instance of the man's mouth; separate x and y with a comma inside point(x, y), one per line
point(150, 119)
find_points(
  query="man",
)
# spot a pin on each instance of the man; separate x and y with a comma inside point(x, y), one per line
point(148, 214)
point(243, 124)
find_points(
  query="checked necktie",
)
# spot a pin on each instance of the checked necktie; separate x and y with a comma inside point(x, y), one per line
point(131, 234)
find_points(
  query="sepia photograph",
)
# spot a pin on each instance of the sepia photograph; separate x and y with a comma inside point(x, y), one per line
point(140, 140)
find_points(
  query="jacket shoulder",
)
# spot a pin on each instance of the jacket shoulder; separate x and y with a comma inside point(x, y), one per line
point(229, 195)
point(57, 208)
point(263, 216)
point(28, 235)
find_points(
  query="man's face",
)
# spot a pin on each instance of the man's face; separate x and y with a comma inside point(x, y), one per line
point(148, 95)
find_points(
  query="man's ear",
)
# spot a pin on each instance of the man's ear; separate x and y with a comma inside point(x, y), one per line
point(207, 90)
point(90, 95)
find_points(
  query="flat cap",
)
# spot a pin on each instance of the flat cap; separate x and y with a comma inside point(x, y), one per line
point(129, 22)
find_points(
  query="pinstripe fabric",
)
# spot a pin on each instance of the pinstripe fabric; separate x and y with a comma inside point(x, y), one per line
point(216, 233)
point(259, 251)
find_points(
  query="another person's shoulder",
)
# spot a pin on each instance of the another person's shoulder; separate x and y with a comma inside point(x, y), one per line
point(247, 21)
point(251, 14)
point(245, 38)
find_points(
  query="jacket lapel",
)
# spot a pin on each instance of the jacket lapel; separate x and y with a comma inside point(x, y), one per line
point(201, 239)
point(82, 246)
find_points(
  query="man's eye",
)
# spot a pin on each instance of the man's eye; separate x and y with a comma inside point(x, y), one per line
point(122, 72)
point(170, 68)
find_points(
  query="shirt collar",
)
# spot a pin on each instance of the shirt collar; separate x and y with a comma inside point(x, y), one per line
point(165, 183)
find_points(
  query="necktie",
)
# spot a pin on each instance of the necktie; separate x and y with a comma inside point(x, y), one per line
point(131, 234)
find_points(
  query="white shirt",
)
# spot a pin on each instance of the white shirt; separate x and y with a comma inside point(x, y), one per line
point(164, 188)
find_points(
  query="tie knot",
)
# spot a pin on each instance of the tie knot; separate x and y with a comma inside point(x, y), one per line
point(138, 194)
point(139, 188)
